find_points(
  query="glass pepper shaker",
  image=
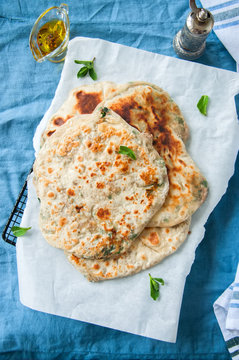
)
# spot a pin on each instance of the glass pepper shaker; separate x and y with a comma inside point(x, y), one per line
point(190, 42)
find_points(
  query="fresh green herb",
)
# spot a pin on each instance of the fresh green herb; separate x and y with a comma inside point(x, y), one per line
point(204, 183)
point(202, 104)
point(110, 196)
point(86, 63)
point(154, 286)
point(82, 72)
point(104, 111)
point(179, 120)
point(19, 231)
point(124, 150)
point(107, 251)
point(133, 236)
point(93, 74)
point(89, 67)
point(120, 250)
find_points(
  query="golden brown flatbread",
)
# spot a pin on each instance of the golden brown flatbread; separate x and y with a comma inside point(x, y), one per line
point(151, 110)
point(153, 245)
point(148, 108)
point(81, 100)
point(96, 201)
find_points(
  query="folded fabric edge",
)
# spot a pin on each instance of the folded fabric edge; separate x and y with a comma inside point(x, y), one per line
point(227, 318)
point(221, 310)
point(233, 347)
point(232, 321)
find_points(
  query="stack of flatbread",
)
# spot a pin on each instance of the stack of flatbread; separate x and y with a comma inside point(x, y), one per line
point(116, 212)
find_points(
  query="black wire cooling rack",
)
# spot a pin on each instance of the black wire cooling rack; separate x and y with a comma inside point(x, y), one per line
point(15, 216)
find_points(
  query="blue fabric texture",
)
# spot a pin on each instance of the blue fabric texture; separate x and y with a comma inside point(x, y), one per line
point(26, 91)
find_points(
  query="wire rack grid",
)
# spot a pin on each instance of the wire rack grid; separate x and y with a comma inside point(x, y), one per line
point(15, 216)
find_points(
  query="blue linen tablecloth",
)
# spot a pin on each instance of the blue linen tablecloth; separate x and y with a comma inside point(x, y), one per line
point(26, 91)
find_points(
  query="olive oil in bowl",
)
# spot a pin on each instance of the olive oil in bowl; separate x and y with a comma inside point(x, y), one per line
point(50, 36)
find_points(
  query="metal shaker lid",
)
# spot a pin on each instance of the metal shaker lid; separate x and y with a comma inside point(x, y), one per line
point(200, 21)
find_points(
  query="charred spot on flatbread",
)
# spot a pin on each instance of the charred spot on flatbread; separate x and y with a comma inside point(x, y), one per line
point(50, 133)
point(81, 100)
point(149, 109)
point(87, 102)
point(59, 120)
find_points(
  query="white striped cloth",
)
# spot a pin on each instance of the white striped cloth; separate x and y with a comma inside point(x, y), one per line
point(226, 309)
point(226, 26)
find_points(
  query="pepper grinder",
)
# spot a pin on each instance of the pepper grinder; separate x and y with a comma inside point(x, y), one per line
point(190, 42)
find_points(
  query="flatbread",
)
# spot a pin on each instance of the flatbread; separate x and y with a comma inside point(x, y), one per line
point(94, 201)
point(188, 188)
point(147, 107)
point(150, 248)
point(81, 100)
point(151, 110)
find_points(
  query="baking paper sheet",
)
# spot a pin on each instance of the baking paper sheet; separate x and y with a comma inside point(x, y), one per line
point(47, 282)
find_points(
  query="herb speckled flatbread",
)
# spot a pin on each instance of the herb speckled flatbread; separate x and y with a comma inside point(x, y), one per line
point(95, 201)
point(150, 248)
point(147, 106)
point(81, 100)
point(151, 110)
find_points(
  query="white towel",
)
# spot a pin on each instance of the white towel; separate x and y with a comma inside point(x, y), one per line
point(226, 26)
point(226, 309)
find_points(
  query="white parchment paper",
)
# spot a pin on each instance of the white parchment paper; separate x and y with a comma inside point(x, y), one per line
point(47, 282)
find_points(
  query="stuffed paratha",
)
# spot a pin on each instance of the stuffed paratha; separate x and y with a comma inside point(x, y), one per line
point(147, 106)
point(150, 248)
point(95, 201)
point(81, 100)
point(151, 110)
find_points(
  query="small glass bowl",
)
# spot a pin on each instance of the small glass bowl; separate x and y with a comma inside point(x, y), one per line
point(57, 55)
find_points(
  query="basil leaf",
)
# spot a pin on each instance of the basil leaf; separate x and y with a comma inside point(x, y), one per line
point(154, 289)
point(202, 104)
point(92, 74)
point(104, 111)
point(154, 286)
point(160, 280)
point(82, 72)
point(86, 63)
point(19, 231)
point(89, 66)
point(124, 150)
